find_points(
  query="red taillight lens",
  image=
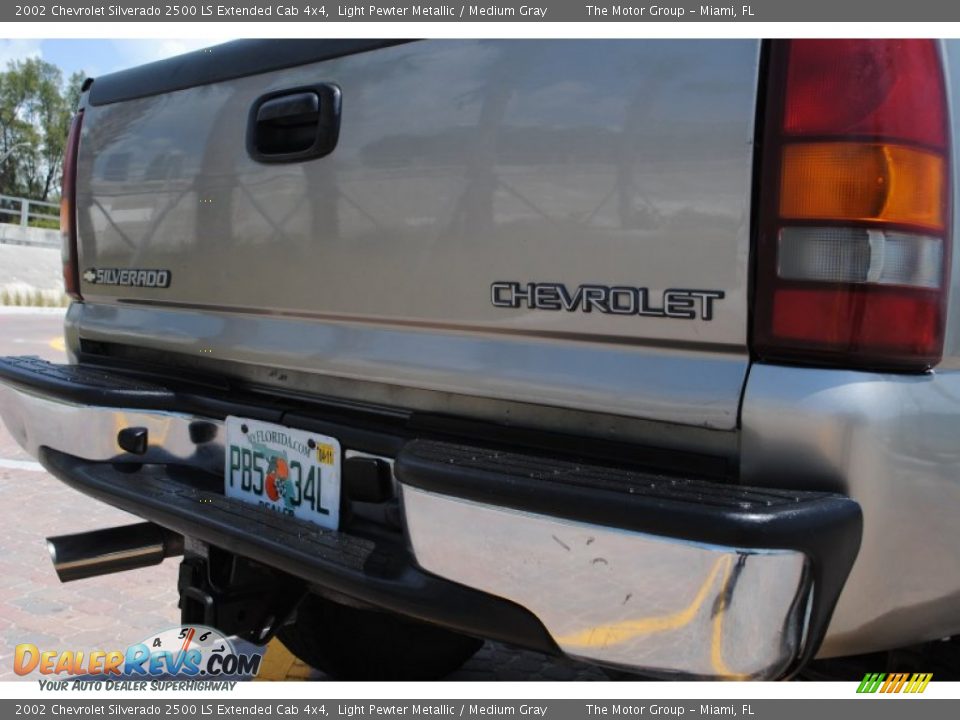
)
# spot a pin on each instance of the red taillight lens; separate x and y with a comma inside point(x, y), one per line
point(879, 88)
point(853, 239)
point(68, 211)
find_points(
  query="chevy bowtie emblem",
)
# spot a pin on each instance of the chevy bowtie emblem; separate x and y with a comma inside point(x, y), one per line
point(90, 276)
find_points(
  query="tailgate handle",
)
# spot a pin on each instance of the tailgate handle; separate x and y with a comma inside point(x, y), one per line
point(302, 108)
point(294, 125)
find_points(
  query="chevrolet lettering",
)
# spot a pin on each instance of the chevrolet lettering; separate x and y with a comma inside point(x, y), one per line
point(615, 300)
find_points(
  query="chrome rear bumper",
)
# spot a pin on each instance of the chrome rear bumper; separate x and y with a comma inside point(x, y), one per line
point(623, 598)
point(90, 432)
point(668, 576)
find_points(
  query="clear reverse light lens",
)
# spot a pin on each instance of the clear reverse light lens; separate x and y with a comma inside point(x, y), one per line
point(859, 255)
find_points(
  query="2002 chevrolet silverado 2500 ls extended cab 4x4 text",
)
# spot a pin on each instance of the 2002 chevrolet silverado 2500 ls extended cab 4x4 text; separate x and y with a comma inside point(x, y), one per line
point(642, 352)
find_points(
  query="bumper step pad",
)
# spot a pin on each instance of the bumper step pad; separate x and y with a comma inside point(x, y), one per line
point(688, 508)
point(83, 384)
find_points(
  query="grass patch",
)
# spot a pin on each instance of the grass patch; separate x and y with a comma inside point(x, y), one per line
point(23, 296)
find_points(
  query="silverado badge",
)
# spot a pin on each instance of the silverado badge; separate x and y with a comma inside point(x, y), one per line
point(128, 277)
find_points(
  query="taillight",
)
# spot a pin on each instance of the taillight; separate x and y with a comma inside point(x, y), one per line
point(68, 211)
point(853, 240)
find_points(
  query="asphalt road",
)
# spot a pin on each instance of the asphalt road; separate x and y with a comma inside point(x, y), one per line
point(115, 611)
point(32, 331)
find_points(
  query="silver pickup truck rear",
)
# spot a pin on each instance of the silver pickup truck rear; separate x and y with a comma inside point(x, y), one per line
point(667, 299)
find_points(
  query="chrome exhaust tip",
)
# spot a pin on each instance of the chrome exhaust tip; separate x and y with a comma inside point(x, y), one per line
point(112, 550)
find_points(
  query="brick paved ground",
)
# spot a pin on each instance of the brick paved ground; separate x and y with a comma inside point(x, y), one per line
point(34, 606)
point(99, 613)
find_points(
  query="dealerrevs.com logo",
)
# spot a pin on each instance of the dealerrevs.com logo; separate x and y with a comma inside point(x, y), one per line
point(190, 651)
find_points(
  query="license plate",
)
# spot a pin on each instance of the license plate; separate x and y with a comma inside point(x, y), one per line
point(292, 472)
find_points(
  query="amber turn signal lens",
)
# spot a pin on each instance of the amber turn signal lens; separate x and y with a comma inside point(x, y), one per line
point(862, 182)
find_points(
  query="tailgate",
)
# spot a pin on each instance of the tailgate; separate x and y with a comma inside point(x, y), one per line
point(563, 223)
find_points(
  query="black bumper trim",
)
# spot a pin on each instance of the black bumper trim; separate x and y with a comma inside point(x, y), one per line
point(85, 385)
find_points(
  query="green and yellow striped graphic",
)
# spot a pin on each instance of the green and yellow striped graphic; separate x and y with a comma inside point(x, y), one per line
point(894, 682)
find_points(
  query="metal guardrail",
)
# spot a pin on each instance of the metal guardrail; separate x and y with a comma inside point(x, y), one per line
point(24, 210)
point(16, 215)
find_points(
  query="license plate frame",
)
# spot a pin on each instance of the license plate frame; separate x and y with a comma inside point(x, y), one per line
point(293, 472)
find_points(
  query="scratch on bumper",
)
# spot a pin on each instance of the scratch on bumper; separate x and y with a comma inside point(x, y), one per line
point(659, 603)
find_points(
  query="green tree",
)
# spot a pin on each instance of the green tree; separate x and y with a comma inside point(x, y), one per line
point(36, 105)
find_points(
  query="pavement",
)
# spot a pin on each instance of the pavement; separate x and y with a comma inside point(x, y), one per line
point(24, 269)
point(114, 611)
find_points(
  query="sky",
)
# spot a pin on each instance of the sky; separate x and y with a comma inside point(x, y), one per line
point(97, 57)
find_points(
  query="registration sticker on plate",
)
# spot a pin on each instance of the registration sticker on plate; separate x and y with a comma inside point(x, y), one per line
point(293, 472)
